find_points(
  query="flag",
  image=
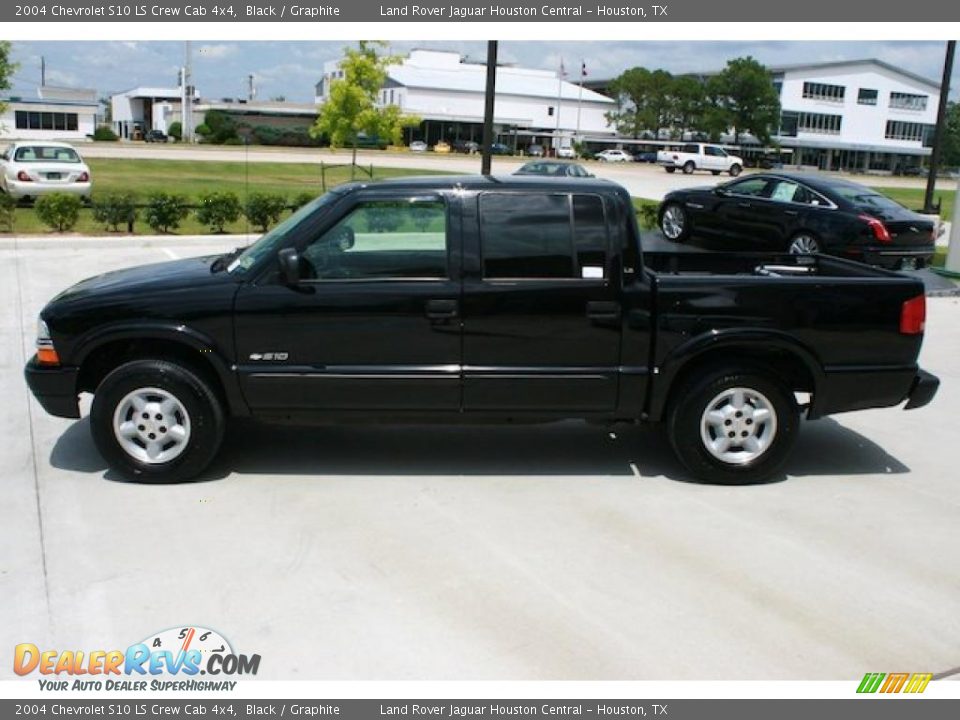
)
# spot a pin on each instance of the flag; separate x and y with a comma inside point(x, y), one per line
point(583, 69)
point(563, 70)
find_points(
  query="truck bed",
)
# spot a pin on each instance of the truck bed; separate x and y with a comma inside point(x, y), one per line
point(704, 264)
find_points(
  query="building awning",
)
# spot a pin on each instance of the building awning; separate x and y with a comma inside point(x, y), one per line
point(828, 144)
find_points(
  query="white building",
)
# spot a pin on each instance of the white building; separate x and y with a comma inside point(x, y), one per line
point(447, 93)
point(855, 115)
point(56, 113)
point(140, 109)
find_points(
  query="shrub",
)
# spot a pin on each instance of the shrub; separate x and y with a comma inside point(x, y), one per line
point(58, 211)
point(218, 209)
point(301, 199)
point(104, 133)
point(203, 130)
point(233, 141)
point(175, 130)
point(263, 209)
point(8, 208)
point(164, 211)
point(115, 210)
point(648, 215)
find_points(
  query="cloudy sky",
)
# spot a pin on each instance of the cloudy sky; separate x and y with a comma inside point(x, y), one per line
point(290, 69)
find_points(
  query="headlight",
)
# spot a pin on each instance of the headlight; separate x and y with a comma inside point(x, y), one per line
point(46, 353)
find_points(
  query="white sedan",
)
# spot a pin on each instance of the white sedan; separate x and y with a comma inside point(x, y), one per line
point(615, 156)
point(29, 169)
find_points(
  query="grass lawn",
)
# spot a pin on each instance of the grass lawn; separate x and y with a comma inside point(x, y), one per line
point(913, 197)
point(191, 179)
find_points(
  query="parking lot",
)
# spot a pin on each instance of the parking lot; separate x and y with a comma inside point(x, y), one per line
point(555, 552)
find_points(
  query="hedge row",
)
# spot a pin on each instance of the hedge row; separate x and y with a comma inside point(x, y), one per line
point(163, 212)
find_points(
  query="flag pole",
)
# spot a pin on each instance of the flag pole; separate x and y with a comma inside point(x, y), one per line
point(583, 65)
point(556, 139)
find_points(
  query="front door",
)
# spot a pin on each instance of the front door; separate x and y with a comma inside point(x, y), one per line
point(542, 312)
point(373, 323)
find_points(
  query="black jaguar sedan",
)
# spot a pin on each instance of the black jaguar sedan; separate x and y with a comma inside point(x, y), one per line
point(802, 213)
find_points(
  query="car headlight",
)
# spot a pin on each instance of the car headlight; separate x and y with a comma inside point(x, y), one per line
point(46, 352)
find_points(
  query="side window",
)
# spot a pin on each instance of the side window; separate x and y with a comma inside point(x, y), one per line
point(382, 239)
point(692, 149)
point(590, 235)
point(786, 191)
point(751, 187)
point(526, 236)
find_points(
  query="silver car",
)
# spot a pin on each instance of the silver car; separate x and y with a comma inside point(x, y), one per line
point(29, 169)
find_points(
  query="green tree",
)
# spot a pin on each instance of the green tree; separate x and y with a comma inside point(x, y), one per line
point(632, 89)
point(715, 119)
point(7, 68)
point(747, 94)
point(352, 109)
point(688, 96)
point(951, 137)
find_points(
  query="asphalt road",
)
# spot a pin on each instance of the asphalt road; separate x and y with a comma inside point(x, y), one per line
point(557, 552)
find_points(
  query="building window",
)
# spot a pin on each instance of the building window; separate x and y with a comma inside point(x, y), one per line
point(906, 101)
point(819, 123)
point(45, 121)
point(909, 131)
point(867, 97)
point(550, 111)
point(823, 91)
point(778, 86)
point(788, 123)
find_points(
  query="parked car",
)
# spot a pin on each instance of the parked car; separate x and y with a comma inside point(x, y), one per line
point(153, 136)
point(466, 146)
point(418, 146)
point(614, 156)
point(804, 214)
point(645, 157)
point(554, 168)
point(566, 152)
point(552, 311)
point(442, 147)
point(31, 168)
point(500, 149)
point(700, 156)
point(535, 150)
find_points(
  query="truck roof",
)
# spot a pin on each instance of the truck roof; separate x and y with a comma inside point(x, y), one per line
point(492, 182)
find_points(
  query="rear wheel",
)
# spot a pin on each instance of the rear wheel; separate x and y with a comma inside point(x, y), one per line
point(803, 244)
point(733, 426)
point(675, 223)
point(688, 167)
point(156, 421)
point(670, 170)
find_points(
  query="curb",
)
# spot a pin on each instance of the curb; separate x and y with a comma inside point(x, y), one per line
point(69, 242)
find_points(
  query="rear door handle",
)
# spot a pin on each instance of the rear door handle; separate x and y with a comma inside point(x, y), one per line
point(791, 212)
point(744, 205)
point(442, 309)
point(603, 310)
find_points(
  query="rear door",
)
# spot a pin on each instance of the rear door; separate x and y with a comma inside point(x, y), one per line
point(542, 310)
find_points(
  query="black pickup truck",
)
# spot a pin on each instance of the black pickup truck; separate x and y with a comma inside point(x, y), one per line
point(478, 299)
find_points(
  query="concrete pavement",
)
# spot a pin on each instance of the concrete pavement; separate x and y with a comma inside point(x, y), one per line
point(557, 552)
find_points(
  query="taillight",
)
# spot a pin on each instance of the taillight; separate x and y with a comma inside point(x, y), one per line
point(878, 229)
point(23, 177)
point(84, 177)
point(913, 315)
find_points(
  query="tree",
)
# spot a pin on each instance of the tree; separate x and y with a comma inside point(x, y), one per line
point(747, 93)
point(688, 102)
point(351, 108)
point(633, 89)
point(217, 127)
point(7, 68)
point(715, 119)
point(951, 136)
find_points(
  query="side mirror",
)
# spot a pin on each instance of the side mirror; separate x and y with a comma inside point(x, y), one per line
point(289, 262)
point(721, 191)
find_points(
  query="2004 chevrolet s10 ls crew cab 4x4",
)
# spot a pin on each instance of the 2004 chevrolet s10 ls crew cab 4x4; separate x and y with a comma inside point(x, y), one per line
point(478, 299)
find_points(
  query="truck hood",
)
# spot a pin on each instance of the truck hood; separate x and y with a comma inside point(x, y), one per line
point(161, 277)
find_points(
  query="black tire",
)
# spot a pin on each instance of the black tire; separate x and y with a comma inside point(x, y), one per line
point(735, 170)
point(715, 172)
point(670, 170)
point(804, 243)
point(197, 398)
point(686, 419)
point(686, 225)
point(689, 167)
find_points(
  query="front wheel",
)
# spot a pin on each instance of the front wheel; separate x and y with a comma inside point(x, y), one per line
point(156, 421)
point(735, 170)
point(733, 426)
point(674, 222)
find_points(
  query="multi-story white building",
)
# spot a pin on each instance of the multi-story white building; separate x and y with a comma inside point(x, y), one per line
point(855, 115)
point(57, 113)
point(447, 92)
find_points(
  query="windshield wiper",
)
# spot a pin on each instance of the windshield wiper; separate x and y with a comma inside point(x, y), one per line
point(224, 260)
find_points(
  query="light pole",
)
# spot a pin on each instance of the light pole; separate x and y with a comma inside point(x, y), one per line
point(491, 92)
point(939, 132)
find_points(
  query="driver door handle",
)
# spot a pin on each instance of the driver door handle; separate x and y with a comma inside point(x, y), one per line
point(442, 309)
point(744, 204)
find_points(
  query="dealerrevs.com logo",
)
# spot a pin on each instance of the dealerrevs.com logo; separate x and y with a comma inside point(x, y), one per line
point(173, 659)
point(894, 682)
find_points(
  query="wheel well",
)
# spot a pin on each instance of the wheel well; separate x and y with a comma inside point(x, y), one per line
point(782, 364)
point(111, 355)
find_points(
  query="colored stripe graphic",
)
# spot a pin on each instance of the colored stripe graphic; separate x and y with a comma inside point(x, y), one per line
point(870, 682)
point(894, 682)
point(918, 682)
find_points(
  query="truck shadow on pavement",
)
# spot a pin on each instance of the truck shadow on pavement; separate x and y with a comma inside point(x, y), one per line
point(824, 448)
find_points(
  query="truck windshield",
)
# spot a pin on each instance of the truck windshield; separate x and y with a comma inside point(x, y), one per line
point(273, 240)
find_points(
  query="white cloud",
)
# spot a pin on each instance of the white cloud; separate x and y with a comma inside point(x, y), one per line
point(217, 52)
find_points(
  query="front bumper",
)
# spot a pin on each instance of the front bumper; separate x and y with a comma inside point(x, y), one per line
point(54, 387)
point(922, 391)
point(17, 189)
